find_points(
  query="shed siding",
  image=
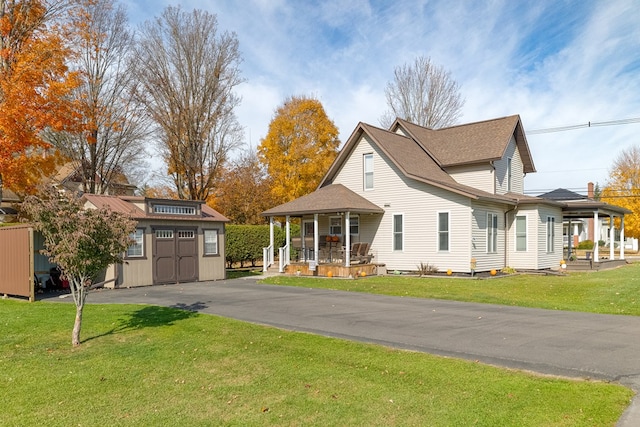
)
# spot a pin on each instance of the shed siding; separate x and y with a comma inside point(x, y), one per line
point(419, 203)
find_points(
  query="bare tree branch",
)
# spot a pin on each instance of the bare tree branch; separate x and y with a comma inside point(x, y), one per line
point(187, 83)
point(424, 94)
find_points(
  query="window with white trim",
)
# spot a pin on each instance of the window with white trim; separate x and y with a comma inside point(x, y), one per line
point(367, 166)
point(335, 226)
point(492, 233)
point(211, 242)
point(136, 249)
point(551, 233)
point(354, 225)
point(398, 232)
point(521, 233)
point(443, 231)
point(164, 234)
point(174, 209)
point(186, 234)
point(509, 174)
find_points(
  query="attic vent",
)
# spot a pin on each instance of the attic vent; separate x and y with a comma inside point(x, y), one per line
point(174, 210)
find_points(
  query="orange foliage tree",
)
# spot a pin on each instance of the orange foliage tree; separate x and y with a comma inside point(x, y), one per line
point(623, 188)
point(34, 87)
point(301, 144)
point(243, 191)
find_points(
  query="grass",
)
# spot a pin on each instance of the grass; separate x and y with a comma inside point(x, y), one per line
point(149, 366)
point(236, 273)
point(614, 291)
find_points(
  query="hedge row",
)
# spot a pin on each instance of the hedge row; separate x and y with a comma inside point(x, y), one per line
point(244, 243)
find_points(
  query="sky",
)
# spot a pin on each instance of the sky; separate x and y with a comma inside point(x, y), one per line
point(555, 63)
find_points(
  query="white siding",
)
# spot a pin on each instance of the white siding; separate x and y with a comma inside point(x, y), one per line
point(517, 171)
point(487, 260)
point(420, 204)
point(536, 256)
point(477, 176)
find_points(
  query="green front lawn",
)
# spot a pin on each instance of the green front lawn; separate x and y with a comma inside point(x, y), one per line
point(155, 366)
point(612, 291)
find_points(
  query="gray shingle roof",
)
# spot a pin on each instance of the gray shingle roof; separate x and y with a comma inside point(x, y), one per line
point(331, 198)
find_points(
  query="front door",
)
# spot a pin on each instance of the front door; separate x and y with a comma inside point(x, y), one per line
point(175, 255)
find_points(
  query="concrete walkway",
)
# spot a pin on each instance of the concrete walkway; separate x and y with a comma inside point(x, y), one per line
point(579, 345)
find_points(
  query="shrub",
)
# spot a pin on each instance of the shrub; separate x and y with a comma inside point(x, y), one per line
point(426, 268)
point(244, 243)
point(585, 244)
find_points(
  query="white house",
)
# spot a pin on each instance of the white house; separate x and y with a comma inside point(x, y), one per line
point(452, 198)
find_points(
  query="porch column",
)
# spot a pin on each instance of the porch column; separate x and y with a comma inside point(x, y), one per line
point(271, 239)
point(347, 239)
point(596, 235)
point(622, 237)
point(287, 255)
point(569, 239)
point(611, 237)
point(316, 239)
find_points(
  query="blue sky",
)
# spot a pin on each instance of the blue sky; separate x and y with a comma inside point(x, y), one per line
point(556, 63)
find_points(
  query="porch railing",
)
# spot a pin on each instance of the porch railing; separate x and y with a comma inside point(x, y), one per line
point(267, 257)
point(283, 257)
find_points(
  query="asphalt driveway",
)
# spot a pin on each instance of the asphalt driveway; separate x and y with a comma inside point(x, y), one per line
point(580, 345)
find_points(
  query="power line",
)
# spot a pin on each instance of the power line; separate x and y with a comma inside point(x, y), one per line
point(585, 125)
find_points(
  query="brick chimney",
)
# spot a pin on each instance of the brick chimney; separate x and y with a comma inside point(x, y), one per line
point(590, 190)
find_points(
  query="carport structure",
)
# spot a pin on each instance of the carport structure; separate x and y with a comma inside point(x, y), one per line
point(596, 210)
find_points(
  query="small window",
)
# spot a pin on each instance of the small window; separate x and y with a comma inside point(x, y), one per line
point(174, 209)
point(354, 225)
point(521, 233)
point(492, 233)
point(551, 233)
point(186, 234)
point(136, 249)
point(211, 242)
point(398, 232)
point(443, 231)
point(368, 171)
point(335, 226)
point(164, 234)
point(509, 176)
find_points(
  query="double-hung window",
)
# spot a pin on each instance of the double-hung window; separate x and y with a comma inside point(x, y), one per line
point(211, 242)
point(354, 225)
point(443, 231)
point(492, 233)
point(367, 166)
point(398, 232)
point(136, 249)
point(521, 233)
point(335, 225)
point(551, 233)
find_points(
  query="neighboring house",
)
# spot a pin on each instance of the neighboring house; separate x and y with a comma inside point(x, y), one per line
point(175, 240)
point(69, 177)
point(452, 198)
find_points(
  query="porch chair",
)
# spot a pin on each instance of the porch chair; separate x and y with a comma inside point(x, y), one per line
point(363, 253)
point(353, 255)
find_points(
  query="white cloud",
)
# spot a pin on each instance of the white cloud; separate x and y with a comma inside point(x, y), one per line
point(554, 63)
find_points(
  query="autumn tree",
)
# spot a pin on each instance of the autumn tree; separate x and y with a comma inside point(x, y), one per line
point(300, 145)
point(82, 242)
point(110, 142)
point(35, 84)
point(188, 71)
point(623, 188)
point(244, 191)
point(423, 93)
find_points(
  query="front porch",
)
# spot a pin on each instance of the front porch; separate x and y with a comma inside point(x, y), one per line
point(334, 269)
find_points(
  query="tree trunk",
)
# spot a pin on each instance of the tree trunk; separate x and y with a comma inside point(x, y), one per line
point(75, 335)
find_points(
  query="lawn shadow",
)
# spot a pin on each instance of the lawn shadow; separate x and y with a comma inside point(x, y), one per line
point(152, 316)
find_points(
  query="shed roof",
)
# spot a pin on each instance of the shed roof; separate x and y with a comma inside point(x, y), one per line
point(125, 205)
